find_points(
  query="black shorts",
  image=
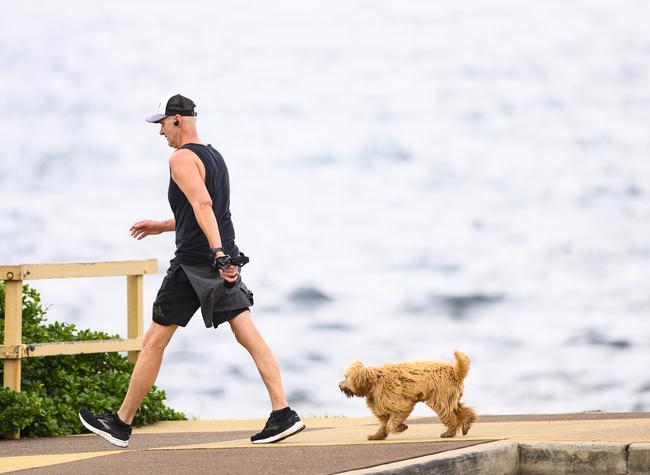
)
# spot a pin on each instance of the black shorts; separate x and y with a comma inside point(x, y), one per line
point(177, 302)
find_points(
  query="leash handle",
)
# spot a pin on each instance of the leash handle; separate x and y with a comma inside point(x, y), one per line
point(223, 262)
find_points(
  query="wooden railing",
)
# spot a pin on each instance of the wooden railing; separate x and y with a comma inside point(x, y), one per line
point(14, 350)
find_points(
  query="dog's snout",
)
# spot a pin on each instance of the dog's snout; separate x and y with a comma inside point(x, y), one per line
point(345, 389)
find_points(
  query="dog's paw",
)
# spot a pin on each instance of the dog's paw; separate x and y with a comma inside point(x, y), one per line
point(401, 428)
point(448, 434)
point(466, 428)
point(377, 436)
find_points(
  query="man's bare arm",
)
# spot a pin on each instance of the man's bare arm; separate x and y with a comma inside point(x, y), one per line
point(149, 227)
point(186, 174)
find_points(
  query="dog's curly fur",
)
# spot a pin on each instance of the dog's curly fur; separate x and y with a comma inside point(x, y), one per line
point(392, 390)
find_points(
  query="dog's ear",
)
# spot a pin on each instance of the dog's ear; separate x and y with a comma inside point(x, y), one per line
point(354, 366)
point(361, 378)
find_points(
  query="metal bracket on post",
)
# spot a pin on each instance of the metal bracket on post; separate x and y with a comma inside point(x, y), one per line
point(11, 352)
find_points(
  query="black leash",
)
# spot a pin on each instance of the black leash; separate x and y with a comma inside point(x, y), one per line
point(223, 262)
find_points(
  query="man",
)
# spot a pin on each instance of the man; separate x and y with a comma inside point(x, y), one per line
point(199, 276)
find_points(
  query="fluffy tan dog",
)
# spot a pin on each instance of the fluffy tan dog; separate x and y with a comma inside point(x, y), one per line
point(392, 390)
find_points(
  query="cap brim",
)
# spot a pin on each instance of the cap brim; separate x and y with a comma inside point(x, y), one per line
point(154, 119)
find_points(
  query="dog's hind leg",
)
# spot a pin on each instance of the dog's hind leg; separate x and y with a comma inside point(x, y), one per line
point(381, 432)
point(466, 416)
point(448, 417)
point(452, 423)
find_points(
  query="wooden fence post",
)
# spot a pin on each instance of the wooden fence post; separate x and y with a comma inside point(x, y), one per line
point(13, 330)
point(134, 311)
point(13, 335)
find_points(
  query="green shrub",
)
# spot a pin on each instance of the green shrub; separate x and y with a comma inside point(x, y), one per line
point(54, 388)
point(18, 410)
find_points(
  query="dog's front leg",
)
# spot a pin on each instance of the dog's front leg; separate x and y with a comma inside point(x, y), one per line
point(401, 427)
point(396, 423)
point(381, 432)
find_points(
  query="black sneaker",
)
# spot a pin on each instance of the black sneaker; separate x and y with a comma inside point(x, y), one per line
point(280, 425)
point(107, 425)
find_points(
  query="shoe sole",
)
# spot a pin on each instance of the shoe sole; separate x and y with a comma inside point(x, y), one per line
point(105, 435)
point(293, 430)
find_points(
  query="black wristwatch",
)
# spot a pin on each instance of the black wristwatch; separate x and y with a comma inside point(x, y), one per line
point(214, 250)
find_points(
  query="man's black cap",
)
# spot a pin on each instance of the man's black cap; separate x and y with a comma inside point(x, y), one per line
point(173, 105)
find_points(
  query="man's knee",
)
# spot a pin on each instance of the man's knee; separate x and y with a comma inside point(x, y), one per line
point(244, 329)
point(157, 337)
point(241, 323)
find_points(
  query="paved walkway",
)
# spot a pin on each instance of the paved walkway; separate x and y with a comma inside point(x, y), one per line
point(327, 446)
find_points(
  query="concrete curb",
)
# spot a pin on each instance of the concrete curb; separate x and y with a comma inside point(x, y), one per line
point(638, 459)
point(493, 458)
point(595, 458)
point(527, 458)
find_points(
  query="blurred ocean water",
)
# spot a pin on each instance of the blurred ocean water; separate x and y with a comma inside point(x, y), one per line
point(408, 178)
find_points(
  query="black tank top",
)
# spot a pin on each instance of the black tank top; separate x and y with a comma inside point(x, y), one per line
point(192, 246)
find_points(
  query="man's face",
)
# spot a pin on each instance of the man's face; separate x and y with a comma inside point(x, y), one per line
point(170, 131)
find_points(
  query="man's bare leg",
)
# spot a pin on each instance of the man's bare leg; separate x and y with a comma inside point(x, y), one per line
point(250, 338)
point(146, 368)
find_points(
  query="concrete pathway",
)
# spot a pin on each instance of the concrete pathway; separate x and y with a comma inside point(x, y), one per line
point(328, 445)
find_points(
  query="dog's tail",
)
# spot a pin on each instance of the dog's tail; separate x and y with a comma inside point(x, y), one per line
point(461, 368)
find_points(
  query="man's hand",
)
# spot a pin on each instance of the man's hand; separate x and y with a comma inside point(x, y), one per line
point(229, 267)
point(230, 274)
point(149, 227)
